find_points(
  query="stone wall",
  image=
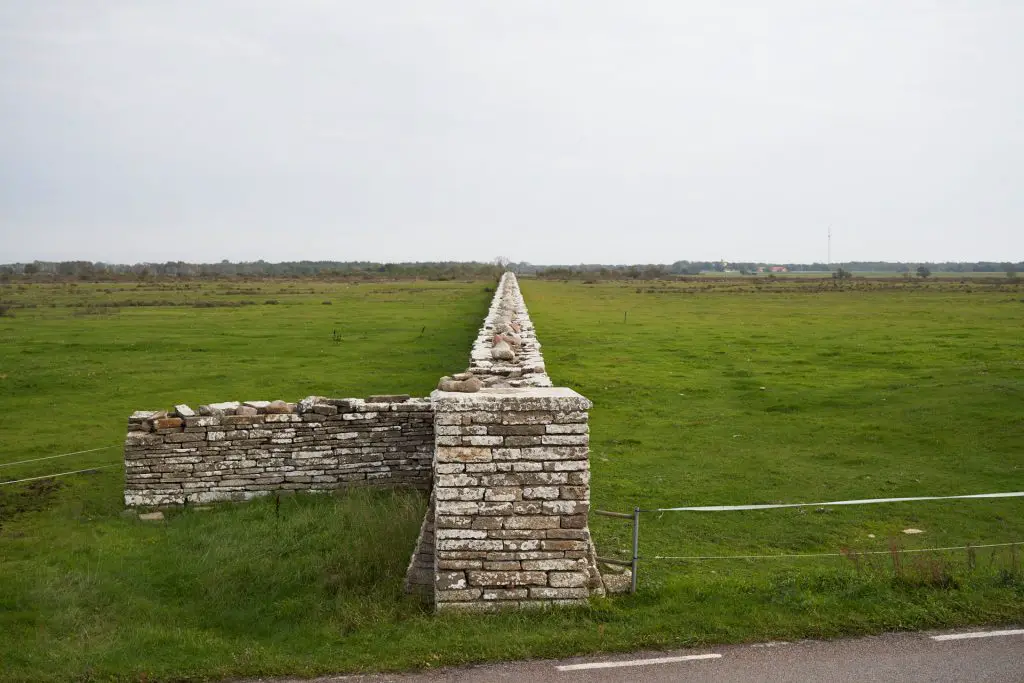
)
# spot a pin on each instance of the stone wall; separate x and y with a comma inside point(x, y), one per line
point(528, 368)
point(507, 521)
point(504, 453)
point(235, 451)
point(512, 492)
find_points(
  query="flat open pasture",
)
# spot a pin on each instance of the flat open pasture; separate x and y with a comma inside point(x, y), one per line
point(792, 391)
point(875, 389)
point(77, 359)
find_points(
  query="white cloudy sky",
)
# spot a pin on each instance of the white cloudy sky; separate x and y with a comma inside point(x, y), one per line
point(548, 131)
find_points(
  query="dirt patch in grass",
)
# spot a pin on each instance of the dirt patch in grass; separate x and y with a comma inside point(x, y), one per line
point(30, 497)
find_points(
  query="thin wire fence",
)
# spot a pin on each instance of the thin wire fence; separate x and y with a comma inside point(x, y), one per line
point(863, 501)
point(634, 561)
point(58, 474)
point(60, 455)
point(10, 482)
point(859, 552)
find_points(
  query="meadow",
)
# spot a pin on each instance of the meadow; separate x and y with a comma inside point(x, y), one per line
point(706, 392)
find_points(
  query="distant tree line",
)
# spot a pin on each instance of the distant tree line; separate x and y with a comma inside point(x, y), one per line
point(454, 270)
point(88, 270)
point(843, 271)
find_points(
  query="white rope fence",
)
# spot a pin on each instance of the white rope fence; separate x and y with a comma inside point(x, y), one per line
point(51, 457)
point(635, 518)
point(59, 474)
point(864, 501)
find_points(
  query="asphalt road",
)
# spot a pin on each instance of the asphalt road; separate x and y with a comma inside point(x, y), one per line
point(906, 657)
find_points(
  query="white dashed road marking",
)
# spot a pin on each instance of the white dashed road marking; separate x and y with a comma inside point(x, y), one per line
point(634, 662)
point(980, 634)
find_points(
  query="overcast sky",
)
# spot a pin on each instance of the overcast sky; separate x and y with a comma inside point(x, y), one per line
point(549, 131)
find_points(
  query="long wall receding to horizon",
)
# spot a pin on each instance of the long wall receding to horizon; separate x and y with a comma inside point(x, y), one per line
point(503, 453)
point(507, 521)
point(240, 450)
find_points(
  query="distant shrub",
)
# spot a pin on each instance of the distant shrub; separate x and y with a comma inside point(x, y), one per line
point(5, 310)
point(271, 302)
point(326, 303)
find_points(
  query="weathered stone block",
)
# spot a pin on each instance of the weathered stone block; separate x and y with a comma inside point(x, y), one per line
point(448, 430)
point(459, 533)
point(574, 492)
point(502, 566)
point(279, 408)
point(506, 579)
point(143, 439)
point(460, 564)
point(468, 544)
point(572, 428)
point(527, 418)
point(464, 595)
point(457, 521)
point(553, 545)
point(559, 565)
point(540, 492)
point(455, 480)
point(519, 441)
point(521, 544)
point(450, 580)
point(487, 522)
point(505, 594)
point(571, 579)
point(463, 454)
point(543, 593)
point(531, 522)
point(566, 507)
point(482, 440)
point(565, 440)
point(574, 534)
point(324, 409)
point(552, 453)
point(495, 508)
point(183, 437)
point(503, 494)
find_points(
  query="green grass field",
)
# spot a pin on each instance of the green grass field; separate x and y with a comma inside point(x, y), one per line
point(868, 390)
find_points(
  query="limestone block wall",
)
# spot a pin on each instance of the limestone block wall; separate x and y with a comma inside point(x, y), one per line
point(235, 451)
point(512, 493)
point(419, 577)
point(528, 367)
point(507, 521)
point(506, 462)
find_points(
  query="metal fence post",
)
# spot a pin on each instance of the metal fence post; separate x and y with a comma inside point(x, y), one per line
point(636, 546)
